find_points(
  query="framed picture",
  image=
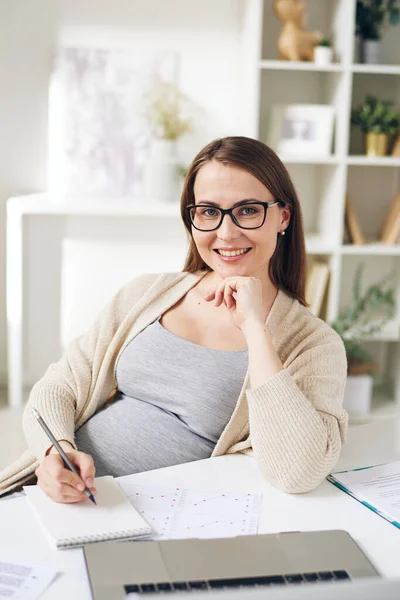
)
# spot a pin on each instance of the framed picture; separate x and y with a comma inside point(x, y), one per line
point(98, 138)
point(301, 129)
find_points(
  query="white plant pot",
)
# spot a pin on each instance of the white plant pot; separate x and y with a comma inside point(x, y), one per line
point(358, 394)
point(161, 181)
point(323, 55)
point(371, 52)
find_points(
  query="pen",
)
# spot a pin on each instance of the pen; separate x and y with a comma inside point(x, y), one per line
point(68, 464)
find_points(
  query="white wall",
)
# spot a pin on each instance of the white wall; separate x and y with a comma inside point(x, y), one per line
point(206, 34)
point(26, 39)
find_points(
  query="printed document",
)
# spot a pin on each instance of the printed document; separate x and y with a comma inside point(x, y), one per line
point(378, 488)
point(23, 582)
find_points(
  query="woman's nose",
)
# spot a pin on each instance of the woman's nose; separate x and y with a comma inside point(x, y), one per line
point(228, 229)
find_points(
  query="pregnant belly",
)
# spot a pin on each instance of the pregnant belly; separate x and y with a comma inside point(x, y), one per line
point(130, 436)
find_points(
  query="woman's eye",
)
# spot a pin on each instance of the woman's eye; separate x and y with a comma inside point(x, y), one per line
point(251, 210)
point(206, 212)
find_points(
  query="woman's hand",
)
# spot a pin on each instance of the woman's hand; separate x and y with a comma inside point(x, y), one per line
point(61, 484)
point(243, 298)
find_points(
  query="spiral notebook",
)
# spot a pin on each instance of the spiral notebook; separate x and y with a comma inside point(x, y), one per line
point(72, 525)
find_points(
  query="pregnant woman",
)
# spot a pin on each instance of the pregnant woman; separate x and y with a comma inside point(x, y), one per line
point(219, 358)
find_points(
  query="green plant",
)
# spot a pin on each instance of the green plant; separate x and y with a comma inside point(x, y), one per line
point(373, 15)
point(366, 315)
point(165, 108)
point(325, 43)
point(181, 170)
point(376, 116)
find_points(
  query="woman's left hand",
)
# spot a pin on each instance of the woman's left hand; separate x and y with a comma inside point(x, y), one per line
point(243, 298)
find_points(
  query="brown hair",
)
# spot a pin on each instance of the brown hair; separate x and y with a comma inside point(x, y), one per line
point(287, 267)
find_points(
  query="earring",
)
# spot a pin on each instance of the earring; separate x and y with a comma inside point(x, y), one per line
point(283, 232)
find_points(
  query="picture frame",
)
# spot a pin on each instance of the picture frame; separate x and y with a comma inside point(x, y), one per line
point(98, 140)
point(301, 130)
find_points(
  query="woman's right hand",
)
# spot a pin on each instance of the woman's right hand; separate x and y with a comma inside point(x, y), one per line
point(61, 484)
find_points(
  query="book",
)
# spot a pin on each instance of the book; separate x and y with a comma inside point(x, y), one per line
point(396, 147)
point(391, 225)
point(377, 488)
point(353, 225)
point(316, 285)
point(73, 525)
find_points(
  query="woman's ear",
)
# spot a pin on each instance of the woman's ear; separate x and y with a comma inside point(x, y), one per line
point(285, 216)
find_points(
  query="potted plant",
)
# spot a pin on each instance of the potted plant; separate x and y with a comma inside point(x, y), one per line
point(377, 119)
point(365, 316)
point(166, 114)
point(323, 52)
point(372, 16)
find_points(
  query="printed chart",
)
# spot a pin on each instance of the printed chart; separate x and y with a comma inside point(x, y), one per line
point(177, 513)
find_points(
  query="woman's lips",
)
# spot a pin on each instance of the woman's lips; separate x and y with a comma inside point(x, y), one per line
point(232, 258)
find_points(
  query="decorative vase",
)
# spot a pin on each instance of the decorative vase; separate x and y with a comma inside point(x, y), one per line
point(371, 52)
point(358, 394)
point(161, 181)
point(376, 144)
point(323, 55)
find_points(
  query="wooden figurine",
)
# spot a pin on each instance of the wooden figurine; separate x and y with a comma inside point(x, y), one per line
point(294, 43)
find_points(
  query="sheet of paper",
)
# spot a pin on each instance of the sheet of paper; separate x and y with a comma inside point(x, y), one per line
point(23, 582)
point(177, 513)
point(378, 486)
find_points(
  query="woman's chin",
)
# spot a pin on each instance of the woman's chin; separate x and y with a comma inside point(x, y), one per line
point(231, 269)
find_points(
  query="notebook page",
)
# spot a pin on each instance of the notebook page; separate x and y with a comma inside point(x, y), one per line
point(70, 525)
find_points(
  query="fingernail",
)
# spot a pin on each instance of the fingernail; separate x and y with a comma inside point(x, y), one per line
point(93, 490)
point(80, 487)
point(89, 482)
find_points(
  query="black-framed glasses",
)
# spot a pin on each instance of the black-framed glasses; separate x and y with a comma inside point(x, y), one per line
point(249, 215)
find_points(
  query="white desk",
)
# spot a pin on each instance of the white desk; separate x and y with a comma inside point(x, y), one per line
point(324, 508)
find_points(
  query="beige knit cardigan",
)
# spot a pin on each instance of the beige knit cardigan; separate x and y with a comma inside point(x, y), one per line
point(294, 424)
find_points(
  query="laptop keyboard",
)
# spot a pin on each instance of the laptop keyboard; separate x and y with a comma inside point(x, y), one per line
point(214, 584)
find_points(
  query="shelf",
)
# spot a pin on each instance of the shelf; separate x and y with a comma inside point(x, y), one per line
point(311, 160)
point(43, 204)
point(376, 69)
point(315, 245)
point(298, 66)
point(372, 249)
point(384, 336)
point(389, 333)
point(370, 161)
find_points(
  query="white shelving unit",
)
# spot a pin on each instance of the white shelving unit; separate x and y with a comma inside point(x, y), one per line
point(322, 183)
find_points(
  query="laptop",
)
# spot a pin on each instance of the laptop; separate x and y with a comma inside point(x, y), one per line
point(120, 570)
point(362, 589)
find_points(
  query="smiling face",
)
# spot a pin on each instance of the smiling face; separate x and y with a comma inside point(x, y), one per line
point(225, 186)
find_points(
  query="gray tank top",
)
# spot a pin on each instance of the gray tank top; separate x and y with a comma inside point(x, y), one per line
point(174, 399)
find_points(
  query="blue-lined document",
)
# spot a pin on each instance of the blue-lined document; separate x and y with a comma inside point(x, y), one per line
point(378, 488)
